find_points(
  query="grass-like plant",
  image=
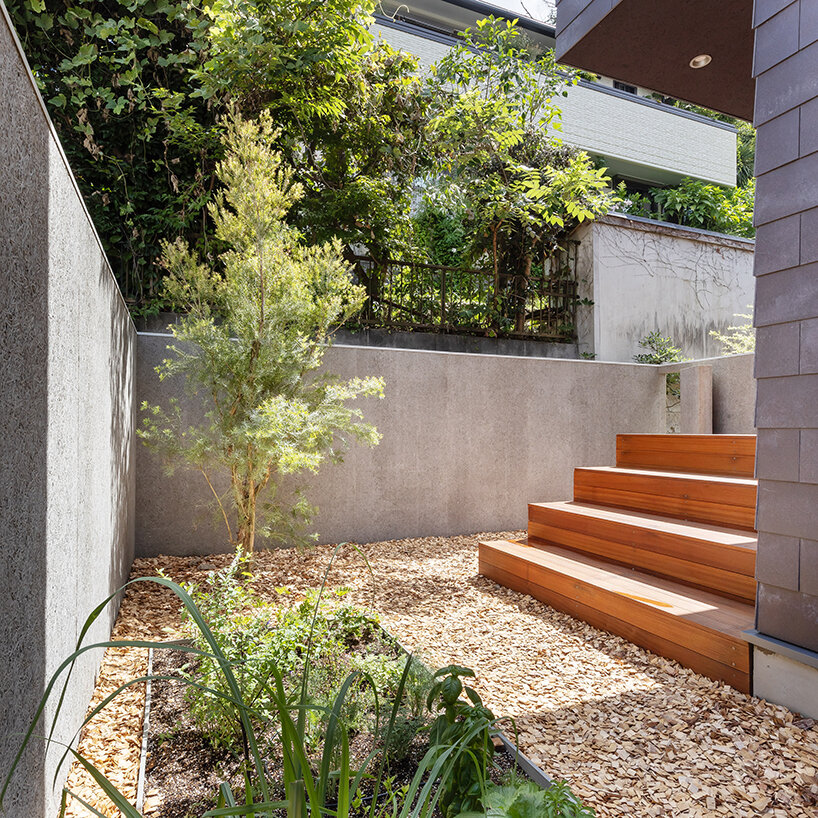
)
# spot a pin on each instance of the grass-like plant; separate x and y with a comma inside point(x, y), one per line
point(311, 789)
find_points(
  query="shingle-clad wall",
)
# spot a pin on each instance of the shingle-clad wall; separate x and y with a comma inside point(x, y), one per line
point(786, 268)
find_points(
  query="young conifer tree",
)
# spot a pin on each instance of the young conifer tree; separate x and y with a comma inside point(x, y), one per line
point(253, 332)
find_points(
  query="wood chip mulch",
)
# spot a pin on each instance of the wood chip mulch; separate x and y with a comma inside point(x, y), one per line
point(634, 734)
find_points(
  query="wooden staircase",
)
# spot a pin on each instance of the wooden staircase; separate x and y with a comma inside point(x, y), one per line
point(659, 550)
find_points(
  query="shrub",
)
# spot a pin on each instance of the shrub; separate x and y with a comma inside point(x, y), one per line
point(253, 333)
point(696, 204)
point(740, 338)
point(659, 350)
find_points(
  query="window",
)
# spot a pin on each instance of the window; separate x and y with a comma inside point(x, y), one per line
point(623, 86)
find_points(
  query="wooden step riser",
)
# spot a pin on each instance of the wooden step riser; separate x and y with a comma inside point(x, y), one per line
point(739, 559)
point(632, 633)
point(725, 504)
point(737, 586)
point(710, 653)
point(732, 455)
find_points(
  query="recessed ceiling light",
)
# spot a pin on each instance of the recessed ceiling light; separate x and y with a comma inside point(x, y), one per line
point(701, 61)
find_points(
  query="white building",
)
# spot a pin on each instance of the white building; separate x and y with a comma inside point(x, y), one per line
point(637, 138)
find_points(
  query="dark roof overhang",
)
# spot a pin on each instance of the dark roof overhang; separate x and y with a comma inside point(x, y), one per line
point(651, 43)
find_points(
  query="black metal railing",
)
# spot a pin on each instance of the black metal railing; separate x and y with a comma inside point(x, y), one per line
point(413, 295)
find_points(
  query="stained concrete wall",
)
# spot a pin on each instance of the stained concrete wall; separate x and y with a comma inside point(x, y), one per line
point(734, 395)
point(468, 441)
point(643, 276)
point(67, 487)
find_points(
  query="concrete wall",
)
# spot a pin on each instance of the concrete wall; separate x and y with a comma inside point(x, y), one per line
point(66, 429)
point(786, 115)
point(734, 395)
point(468, 441)
point(643, 276)
point(635, 136)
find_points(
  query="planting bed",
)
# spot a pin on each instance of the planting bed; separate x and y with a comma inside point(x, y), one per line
point(634, 734)
point(184, 771)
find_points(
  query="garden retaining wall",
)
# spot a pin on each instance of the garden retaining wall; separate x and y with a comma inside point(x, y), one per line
point(468, 441)
point(640, 276)
point(67, 480)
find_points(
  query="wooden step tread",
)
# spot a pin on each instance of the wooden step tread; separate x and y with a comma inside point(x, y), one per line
point(700, 629)
point(714, 558)
point(705, 608)
point(708, 454)
point(716, 499)
point(723, 535)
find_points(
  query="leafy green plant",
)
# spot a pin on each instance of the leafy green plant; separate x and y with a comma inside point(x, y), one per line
point(253, 333)
point(494, 133)
point(660, 350)
point(468, 726)
point(740, 338)
point(313, 784)
point(526, 800)
point(115, 75)
point(257, 636)
point(696, 204)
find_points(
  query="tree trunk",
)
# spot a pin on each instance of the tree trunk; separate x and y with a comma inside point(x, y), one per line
point(521, 290)
point(246, 536)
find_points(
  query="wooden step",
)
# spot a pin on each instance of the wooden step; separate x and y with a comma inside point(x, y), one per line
point(700, 630)
point(710, 557)
point(727, 501)
point(732, 455)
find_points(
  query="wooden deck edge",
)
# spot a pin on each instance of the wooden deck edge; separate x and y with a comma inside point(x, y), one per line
point(736, 674)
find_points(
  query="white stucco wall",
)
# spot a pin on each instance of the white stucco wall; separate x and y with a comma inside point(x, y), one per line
point(637, 138)
point(643, 276)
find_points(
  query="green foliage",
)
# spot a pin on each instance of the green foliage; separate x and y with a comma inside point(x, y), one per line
point(467, 726)
point(136, 88)
point(253, 332)
point(745, 153)
point(709, 207)
point(350, 109)
point(115, 75)
point(527, 800)
point(257, 637)
point(317, 780)
point(441, 231)
point(659, 350)
point(740, 338)
point(696, 204)
point(494, 137)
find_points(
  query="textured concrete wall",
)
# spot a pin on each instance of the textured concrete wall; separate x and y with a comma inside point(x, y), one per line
point(644, 276)
point(66, 429)
point(734, 395)
point(786, 70)
point(468, 441)
point(636, 137)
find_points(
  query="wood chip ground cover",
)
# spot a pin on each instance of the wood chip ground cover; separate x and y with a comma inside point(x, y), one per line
point(634, 734)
